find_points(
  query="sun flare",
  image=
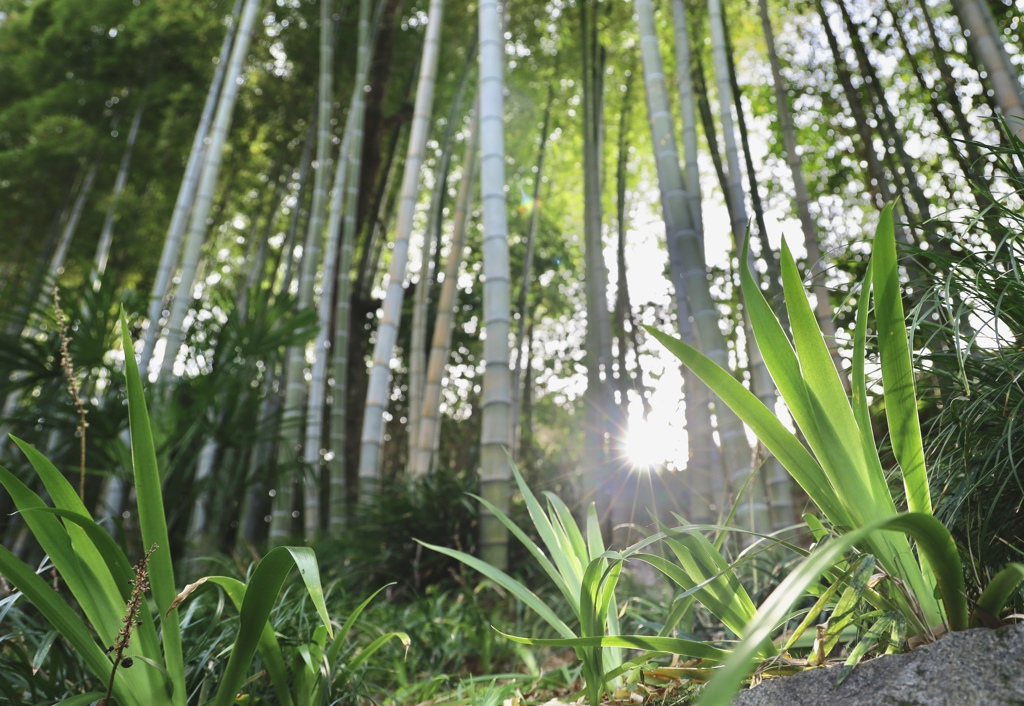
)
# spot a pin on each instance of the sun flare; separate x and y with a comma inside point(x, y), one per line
point(648, 445)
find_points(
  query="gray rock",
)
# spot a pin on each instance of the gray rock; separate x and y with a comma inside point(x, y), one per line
point(968, 668)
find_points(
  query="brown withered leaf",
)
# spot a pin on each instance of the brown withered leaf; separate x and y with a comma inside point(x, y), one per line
point(185, 593)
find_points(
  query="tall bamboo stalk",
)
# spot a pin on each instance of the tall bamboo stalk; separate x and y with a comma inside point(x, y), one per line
point(387, 328)
point(703, 493)
point(198, 225)
point(495, 437)
point(686, 256)
point(440, 348)
point(343, 299)
point(753, 508)
point(313, 447)
point(684, 79)
point(598, 398)
point(430, 264)
point(527, 280)
point(802, 198)
point(986, 45)
point(186, 197)
point(67, 234)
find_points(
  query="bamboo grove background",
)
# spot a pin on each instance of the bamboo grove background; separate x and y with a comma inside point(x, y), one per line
point(361, 242)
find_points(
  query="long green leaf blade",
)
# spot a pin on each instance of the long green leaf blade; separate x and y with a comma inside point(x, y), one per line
point(152, 519)
point(776, 437)
point(897, 371)
point(261, 594)
point(59, 615)
point(528, 597)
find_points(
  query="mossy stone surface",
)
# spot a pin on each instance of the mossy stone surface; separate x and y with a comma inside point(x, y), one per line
point(969, 668)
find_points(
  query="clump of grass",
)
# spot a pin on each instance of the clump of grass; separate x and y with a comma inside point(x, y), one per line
point(69, 372)
point(140, 584)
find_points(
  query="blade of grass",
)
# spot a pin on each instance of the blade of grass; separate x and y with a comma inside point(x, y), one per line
point(534, 550)
point(268, 646)
point(995, 595)
point(335, 649)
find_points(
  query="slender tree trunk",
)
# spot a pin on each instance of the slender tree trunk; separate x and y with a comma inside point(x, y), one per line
point(878, 182)
point(257, 269)
point(984, 40)
point(526, 435)
point(773, 271)
point(291, 449)
point(387, 330)
point(703, 496)
point(495, 437)
point(67, 234)
point(684, 79)
point(185, 199)
point(343, 299)
point(198, 225)
point(383, 212)
point(107, 233)
point(623, 306)
point(440, 349)
point(710, 132)
point(975, 167)
point(598, 399)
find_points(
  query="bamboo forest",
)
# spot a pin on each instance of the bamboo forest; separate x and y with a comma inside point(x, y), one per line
point(537, 352)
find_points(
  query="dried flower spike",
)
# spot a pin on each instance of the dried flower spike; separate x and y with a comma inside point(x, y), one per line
point(131, 620)
point(69, 373)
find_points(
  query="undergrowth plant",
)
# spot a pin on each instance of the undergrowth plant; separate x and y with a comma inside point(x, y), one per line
point(968, 324)
point(586, 576)
point(840, 468)
point(99, 578)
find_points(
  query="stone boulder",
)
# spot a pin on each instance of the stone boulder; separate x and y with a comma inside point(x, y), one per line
point(969, 668)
